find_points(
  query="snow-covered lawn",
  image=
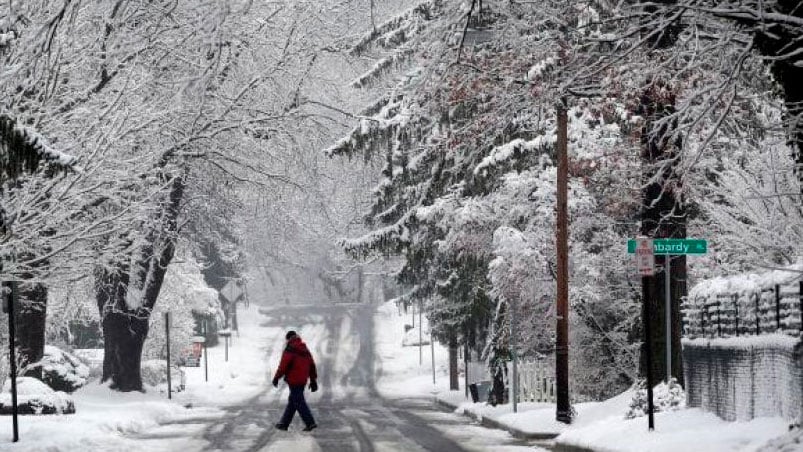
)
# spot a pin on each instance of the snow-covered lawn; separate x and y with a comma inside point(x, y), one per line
point(102, 421)
point(107, 420)
point(401, 372)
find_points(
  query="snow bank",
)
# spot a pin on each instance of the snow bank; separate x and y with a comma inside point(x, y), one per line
point(685, 430)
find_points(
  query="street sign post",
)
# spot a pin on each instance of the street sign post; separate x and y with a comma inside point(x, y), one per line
point(645, 259)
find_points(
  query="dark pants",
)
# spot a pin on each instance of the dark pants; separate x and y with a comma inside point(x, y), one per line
point(295, 403)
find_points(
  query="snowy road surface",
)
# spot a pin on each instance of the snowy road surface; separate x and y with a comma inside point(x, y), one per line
point(350, 414)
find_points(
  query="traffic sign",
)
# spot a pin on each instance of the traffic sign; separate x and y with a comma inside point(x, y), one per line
point(645, 259)
point(231, 291)
point(673, 246)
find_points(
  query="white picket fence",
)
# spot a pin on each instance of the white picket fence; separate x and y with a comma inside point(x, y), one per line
point(536, 382)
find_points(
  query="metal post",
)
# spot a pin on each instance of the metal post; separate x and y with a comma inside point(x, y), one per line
point(432, 352)
point(226, 340)
point(645, 292)
point(167, 336)
point(206, 358)
point(12, 356)
point(777, 307)
point(800, 300)
point(420, 336)
point(668, 295)
point(758, 318)
point(514, 377)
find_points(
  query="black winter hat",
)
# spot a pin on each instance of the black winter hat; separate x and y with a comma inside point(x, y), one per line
point(290, 334)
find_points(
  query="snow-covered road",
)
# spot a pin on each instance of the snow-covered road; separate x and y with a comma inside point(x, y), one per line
point(350, 413)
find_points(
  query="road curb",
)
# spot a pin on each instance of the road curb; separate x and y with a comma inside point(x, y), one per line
point(516, 433)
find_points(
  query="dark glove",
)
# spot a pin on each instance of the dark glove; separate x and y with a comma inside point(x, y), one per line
point(275, 382)
point(313, 385)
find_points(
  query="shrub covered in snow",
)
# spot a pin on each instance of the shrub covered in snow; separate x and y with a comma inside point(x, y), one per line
point(665, 398)
point(35, 397)
point(63, 371)
point(154, 373)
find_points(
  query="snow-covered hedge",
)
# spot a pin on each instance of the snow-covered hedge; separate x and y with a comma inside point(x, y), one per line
point(35, 397)
point(741, 378)
point(63, 371)
point(745, 304)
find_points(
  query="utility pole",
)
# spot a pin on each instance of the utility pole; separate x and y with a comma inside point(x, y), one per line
point(563, 412)
point(11, 301)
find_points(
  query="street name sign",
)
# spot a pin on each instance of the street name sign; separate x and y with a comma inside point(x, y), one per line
point(673, 246)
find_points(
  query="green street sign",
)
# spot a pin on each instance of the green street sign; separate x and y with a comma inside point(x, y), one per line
point(673, 246)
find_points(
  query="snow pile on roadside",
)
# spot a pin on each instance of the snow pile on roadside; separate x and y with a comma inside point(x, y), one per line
point(688, 430)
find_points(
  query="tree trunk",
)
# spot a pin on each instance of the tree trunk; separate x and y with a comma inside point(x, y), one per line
point(663, 215)
point(454, 381)
point(30, 316)
point(125, 328)
point(124, 334)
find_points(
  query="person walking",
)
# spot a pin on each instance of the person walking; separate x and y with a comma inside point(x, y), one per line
point(296, 366)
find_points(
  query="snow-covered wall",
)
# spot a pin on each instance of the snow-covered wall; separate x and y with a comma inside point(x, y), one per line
point(741, 378)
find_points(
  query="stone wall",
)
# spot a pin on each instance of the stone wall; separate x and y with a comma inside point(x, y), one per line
point(740, 378)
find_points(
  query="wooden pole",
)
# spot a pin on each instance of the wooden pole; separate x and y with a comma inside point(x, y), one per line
point(563, 411)
point(12, 356)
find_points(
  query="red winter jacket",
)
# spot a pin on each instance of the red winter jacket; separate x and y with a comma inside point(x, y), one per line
point(297, 364)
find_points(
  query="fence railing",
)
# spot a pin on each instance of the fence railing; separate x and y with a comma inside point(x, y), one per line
point(536, 382)
point(774, 309)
